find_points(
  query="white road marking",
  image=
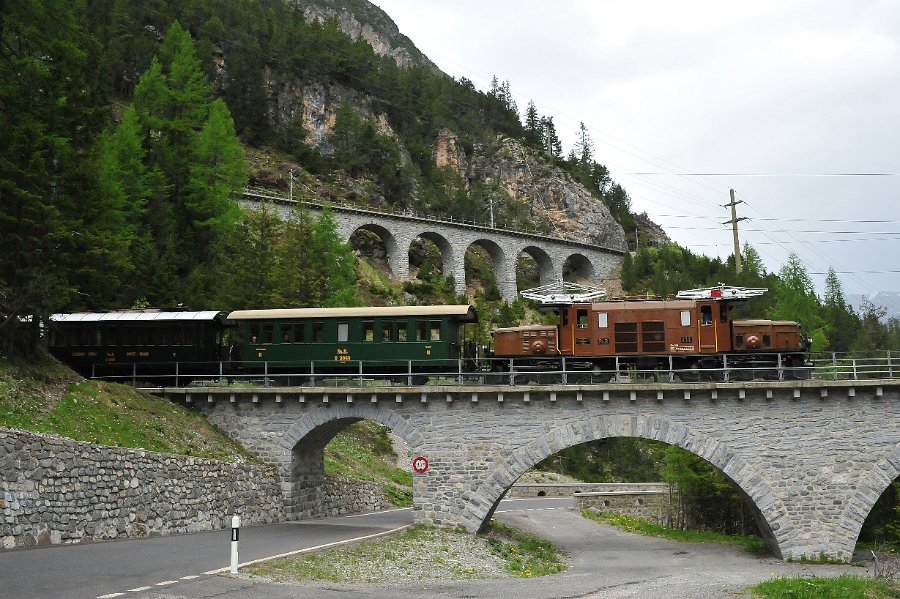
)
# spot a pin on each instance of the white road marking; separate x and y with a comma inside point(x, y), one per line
point(192, 577)
point(308, 549)
point(139, 589)
point(166, 583)
point(111, 595)
point(399, 509)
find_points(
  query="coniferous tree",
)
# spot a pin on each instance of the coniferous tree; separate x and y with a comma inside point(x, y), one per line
point(795, 299)
point(45, 122)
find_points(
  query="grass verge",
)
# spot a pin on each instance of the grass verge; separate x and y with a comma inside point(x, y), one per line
point(751, 544)
point(841, 587)
point(52, 399)
point(421, 553)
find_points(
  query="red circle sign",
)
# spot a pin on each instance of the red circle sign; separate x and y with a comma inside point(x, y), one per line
point(420, 465)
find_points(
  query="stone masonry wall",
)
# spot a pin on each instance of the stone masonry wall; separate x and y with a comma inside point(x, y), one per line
point(523, 490)
point(350, 496)
point(55, 490)
point(646, 505)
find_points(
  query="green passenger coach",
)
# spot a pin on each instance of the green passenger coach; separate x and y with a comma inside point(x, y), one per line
point(381, 337)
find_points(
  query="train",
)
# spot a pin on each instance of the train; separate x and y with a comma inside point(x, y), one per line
point(692, 334)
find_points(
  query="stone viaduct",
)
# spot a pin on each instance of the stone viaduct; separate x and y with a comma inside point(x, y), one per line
point(585, 262)
point(810, 457)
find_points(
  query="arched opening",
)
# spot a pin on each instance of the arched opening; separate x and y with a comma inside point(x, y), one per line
point(484, 265)
point(578, 269)
point(534, 267)
point(377, 245)
point(880, 531)
point(690, 453)
point(347, 464)
point(430, 253)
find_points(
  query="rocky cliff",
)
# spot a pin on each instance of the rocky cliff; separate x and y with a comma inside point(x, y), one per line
point(362, 20)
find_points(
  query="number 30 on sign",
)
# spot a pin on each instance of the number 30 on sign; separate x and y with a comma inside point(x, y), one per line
point(420, 465)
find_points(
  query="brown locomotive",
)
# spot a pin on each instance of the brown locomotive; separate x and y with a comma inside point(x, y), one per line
point(692, 334)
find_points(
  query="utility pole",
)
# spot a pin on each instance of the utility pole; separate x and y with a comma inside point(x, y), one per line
point(733, 222)
point(291, 186)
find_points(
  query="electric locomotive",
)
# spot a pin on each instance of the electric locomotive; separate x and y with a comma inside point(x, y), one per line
point(692, 333)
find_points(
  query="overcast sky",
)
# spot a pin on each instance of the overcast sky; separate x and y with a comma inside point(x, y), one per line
point(780, 101)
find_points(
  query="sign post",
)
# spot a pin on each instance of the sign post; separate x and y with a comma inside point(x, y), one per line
point(235, 533)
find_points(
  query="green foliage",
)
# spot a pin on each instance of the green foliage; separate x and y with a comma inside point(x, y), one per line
point(795, 299)
point(609, 460)
point(300, 262)
point(752, 544)
point(845, 586)
point(707, 500)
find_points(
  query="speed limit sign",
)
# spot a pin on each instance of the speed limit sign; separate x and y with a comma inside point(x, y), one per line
point(420, 465)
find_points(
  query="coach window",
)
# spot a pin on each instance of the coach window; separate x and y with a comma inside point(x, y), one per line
point(343, 332)
point(435, 330)
point(401, 331)
point(319, 331)
point(603, 319)
point(421, 330)
point(254, 334)
point(387, 331)
point(298, 333)
point(368, 330)
point(268, 332)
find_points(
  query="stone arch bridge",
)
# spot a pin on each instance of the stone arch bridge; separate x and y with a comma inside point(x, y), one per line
point(587, 262)
point(810, 457)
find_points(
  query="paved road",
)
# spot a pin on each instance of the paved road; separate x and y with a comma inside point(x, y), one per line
point(91, 570)
point(606, 563)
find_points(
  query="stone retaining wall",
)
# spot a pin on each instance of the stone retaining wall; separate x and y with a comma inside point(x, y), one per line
point(55, 490)
point(351, 496)
point(525, 490)
point(646, 505)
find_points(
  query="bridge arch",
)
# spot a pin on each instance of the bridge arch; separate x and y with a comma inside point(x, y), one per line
point(883, 472)
point(546, 268)
point(578, 268)
point(397, 258)
point(768, 511)
point(504, 266)
point(302, 450)
point(448, 255)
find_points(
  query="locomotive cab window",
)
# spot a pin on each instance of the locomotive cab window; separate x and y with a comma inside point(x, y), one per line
point(685, 318)
point(565, 316)
point(706, 314)
point(603, 320)
point(582, 318)
point(723, 313)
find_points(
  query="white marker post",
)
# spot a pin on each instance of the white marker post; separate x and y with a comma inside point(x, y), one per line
point(235, 533)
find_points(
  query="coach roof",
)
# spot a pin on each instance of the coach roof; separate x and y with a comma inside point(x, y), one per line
point(463, 312)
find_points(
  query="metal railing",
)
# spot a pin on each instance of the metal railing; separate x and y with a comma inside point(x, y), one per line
point(567, 371)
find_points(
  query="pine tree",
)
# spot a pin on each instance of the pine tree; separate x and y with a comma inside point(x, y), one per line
point(795, 299)
point(45, 121)
point(534, 131)
point(584, 146)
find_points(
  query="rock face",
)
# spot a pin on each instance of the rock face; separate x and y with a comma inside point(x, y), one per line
point(370, 23)
point(550, 192)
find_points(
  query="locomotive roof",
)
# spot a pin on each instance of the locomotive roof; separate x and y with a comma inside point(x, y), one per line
point(136, 316)
point(464, 312)
point(644, 304)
